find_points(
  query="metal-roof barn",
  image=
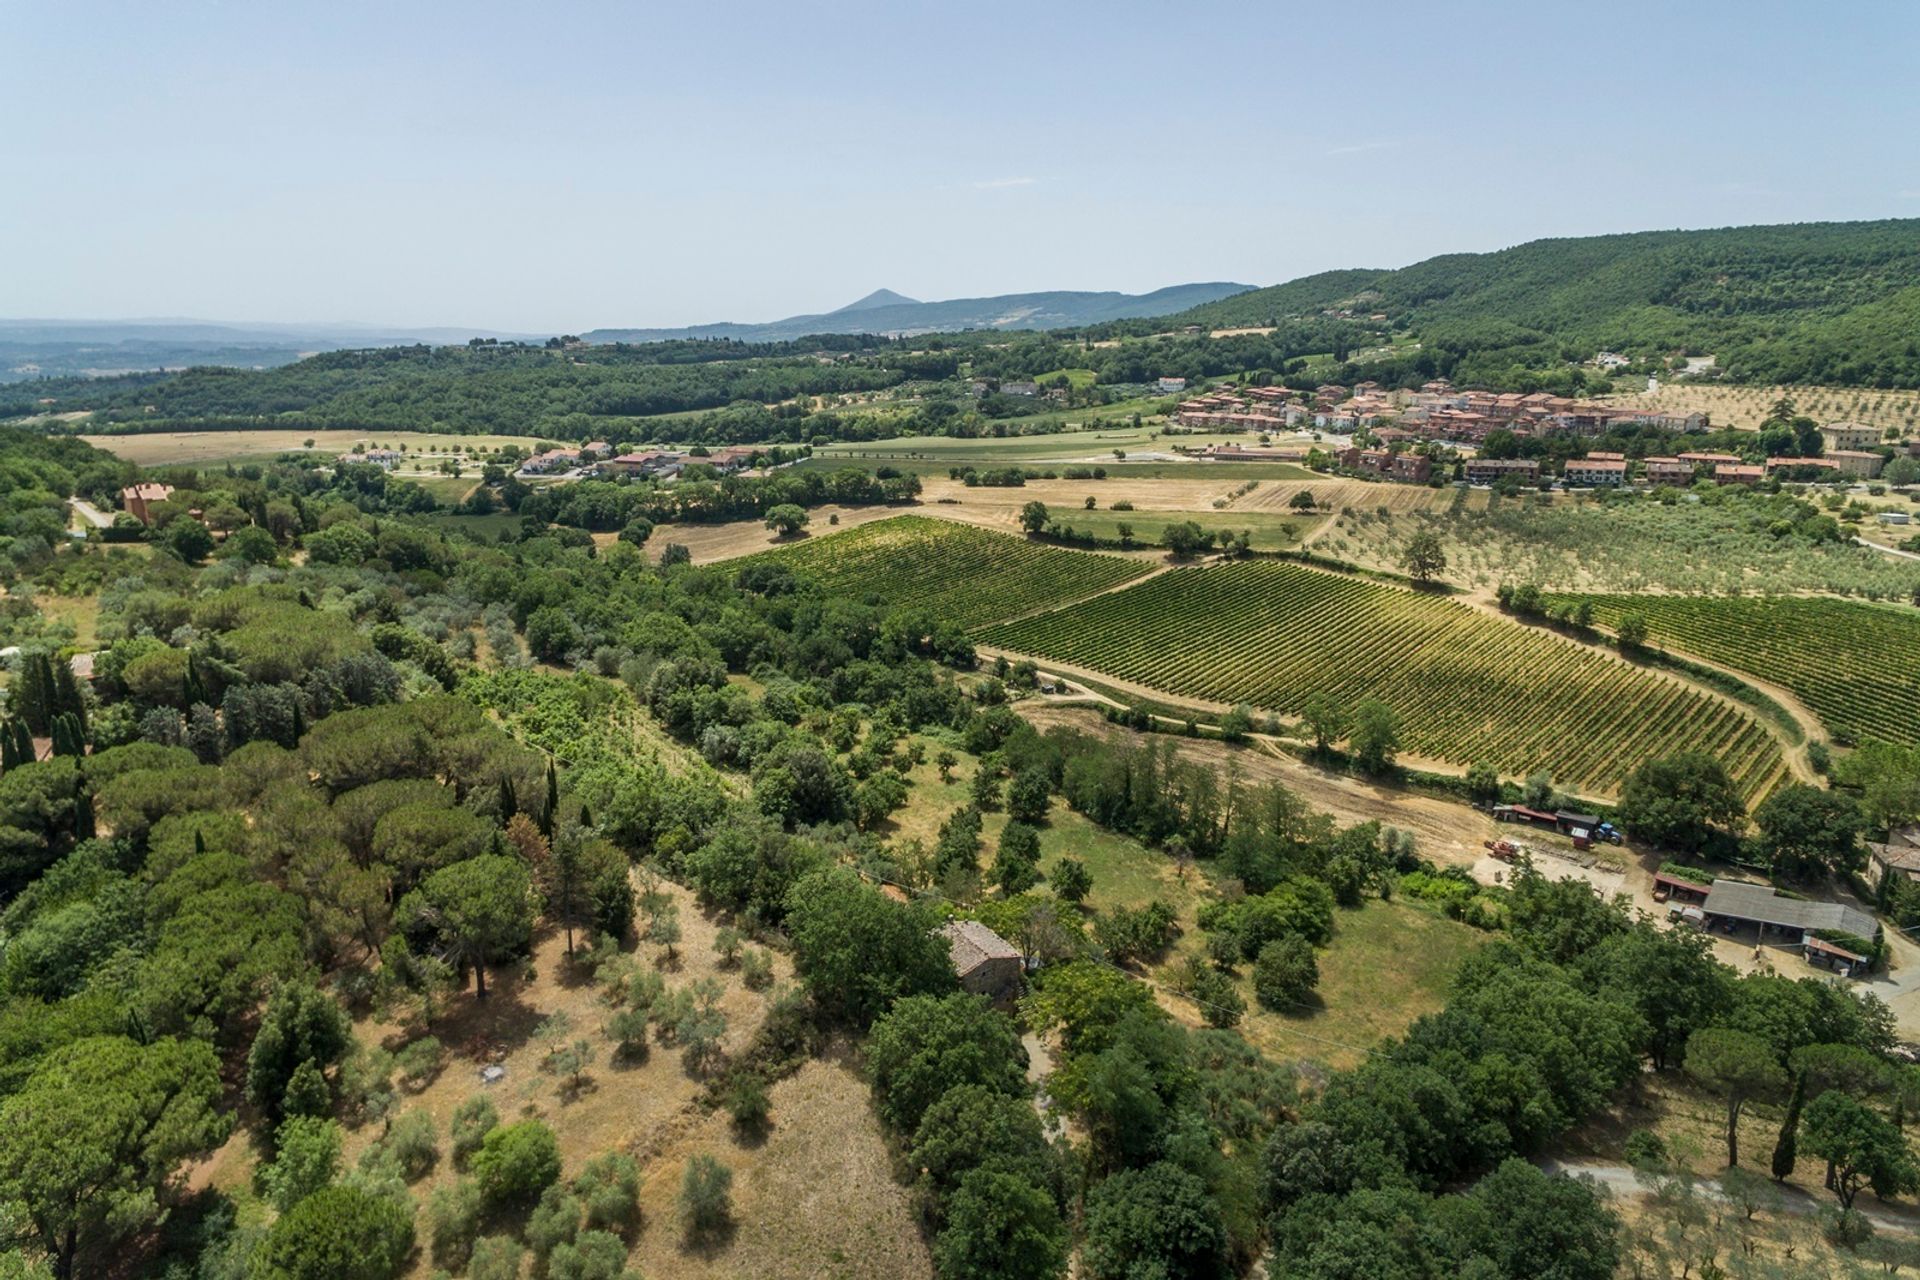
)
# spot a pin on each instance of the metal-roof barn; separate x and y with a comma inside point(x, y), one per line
point(1759, 904)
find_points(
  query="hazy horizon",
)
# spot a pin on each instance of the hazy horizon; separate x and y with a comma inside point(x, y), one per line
point(442, 167)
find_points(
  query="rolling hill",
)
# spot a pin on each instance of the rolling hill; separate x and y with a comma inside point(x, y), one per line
point(1832, 302)
point(886, 312)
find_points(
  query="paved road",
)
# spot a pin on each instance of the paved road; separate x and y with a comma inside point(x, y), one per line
point(1892, 551)
point(91, 514)
point(1624, 1181)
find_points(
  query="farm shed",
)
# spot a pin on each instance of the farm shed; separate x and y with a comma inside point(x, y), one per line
point(1678, 888)
point(1794, 918)
point(988, 965)
point(1567, 820)
point(1520, 813)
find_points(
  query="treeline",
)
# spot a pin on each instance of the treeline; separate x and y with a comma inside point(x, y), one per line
point(479, 390)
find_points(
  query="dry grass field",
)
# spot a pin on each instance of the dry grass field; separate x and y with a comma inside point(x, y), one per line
point(814, 1197)
point(996, 508)
point(194, 448)
point(1746, 406)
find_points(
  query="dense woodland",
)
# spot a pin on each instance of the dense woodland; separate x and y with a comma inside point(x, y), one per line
point(340, 761)
point(1811, 303)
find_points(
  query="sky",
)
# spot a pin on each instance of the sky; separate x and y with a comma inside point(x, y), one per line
point(556, 167)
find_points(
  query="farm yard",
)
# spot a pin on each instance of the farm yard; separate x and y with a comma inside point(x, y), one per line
point(960, 573)
point(1466, 687)
point(1852, 664)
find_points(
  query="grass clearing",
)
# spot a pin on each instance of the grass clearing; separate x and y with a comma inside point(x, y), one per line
point(1389, 963)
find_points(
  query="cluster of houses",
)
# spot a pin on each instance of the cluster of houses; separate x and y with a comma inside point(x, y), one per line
point(552, 460)
point(1330, 406)
point(1600, 469)
point(1436, 412)
point(1439, 411)
point(598, 458)
point(1408, 468)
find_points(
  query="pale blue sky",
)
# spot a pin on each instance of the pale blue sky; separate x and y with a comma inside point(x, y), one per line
point(553, 167)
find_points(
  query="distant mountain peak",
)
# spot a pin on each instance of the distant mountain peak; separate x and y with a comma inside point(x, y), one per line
point(878, 298)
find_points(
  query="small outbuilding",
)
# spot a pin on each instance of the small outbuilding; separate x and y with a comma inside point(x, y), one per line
point(987, 964)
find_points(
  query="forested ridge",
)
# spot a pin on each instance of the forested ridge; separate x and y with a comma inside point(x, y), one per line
point(1806, 303)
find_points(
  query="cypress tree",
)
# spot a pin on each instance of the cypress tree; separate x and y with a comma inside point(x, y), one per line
point(82, 808)
point(553, 800)
point(65, 732)
point(9, 747)
point(1786, 1150)
point(509, 801)
point(34, 695)
point(23, 742)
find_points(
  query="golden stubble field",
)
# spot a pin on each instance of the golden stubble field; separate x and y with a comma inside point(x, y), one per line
point(190, 448)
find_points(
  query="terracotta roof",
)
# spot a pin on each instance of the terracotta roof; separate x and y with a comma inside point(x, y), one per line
point(973, 944)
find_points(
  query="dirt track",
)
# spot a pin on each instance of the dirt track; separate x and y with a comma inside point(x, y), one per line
point(1446, 831)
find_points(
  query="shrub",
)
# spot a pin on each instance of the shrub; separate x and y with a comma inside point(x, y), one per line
point(609, 1188)
point(495, 1258)
point(473, 1120)
point(517, 1162)
point(1285, 972)
point(747, 1101)
point(554, 1221)
point(411, 1144)
point(706, 1198)
point(596, 1255)
point(307, 1158)
point(419, 1062)
point(453, 1221)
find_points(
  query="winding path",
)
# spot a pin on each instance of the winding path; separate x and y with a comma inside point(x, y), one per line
point(1623, 1180)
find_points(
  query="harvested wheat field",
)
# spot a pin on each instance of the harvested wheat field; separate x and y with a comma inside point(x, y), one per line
point(708, 543)
point(1357, 495)
point(189, 448)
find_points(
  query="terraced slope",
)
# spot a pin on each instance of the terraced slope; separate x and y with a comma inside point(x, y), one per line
point(1467, 687)
point(1856, 666)
point(962, 573)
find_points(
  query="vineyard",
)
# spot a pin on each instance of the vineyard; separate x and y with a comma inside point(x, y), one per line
point(1466, 687)
point(1852, 664)
point(961, 573)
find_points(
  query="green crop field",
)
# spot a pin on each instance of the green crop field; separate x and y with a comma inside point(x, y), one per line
point(1466, 687)
point(961, 573)
point(1852, 664)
